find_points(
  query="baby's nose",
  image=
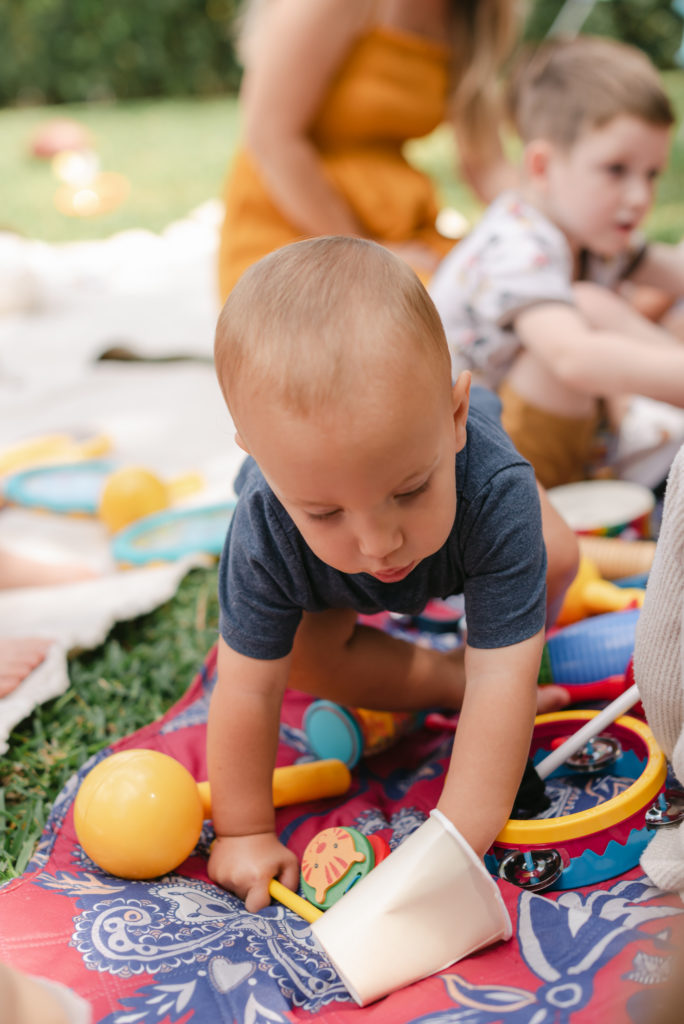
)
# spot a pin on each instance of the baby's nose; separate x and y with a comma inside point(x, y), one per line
point(379, 540)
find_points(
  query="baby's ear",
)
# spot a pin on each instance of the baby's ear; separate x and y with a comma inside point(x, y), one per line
point(460, 402)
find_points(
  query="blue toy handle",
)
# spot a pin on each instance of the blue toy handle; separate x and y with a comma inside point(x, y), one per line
point(593, 648)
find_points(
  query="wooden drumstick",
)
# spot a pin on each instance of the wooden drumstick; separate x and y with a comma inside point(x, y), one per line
point(592, 728)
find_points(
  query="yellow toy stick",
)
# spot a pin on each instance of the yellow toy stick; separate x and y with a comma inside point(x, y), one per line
point(298, 783)
point(181, 486)
point(589, 594)
point(39, 451)
point(293, 902)
point(312, 780)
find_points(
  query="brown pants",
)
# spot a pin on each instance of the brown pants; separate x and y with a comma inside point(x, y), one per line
point(560, 448)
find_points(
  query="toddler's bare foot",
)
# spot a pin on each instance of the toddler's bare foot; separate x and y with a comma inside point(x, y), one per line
point(18, 657)
point(551, 698)
point(18, 571)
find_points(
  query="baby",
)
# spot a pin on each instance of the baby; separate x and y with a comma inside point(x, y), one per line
point(374, 484)
point(529, 299)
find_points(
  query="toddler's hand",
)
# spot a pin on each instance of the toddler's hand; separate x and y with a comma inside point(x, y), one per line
point(246, 864)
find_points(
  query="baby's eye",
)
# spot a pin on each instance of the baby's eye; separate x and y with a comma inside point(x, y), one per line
point(322, 516)
point(616, 170)
point(408, 495)
point(654, 174)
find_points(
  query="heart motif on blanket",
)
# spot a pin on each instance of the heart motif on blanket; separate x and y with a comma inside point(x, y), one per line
point(226, 976)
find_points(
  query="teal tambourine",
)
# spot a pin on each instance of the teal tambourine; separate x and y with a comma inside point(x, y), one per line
point(169, 535)
point(71, 488)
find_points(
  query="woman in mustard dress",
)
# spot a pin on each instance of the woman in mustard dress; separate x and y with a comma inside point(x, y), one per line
point(332, 90)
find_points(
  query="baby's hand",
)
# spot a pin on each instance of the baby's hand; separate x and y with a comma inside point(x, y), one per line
point(246, 864)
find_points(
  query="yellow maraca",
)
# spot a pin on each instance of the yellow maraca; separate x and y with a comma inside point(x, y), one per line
point(138, 814)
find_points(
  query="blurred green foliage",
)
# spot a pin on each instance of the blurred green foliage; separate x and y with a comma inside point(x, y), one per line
point(652, 25)
point(57, 51)
point(66, 51)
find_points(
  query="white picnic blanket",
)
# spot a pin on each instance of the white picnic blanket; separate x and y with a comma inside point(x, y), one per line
point(61, 306)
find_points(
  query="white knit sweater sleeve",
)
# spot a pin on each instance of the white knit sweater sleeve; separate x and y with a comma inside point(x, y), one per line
point(658, 669)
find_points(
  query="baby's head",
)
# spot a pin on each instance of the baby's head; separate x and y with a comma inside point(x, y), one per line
point(595, 120)
point(334, 365)
point(313, 325)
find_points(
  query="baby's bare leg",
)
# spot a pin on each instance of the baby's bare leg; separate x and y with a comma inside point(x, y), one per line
point(337, 659)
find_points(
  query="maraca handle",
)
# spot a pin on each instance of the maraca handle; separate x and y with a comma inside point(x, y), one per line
point(298, 783)
point(293, 902)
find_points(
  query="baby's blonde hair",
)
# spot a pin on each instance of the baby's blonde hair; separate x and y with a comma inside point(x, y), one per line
point(565, 88)
point(320, 320)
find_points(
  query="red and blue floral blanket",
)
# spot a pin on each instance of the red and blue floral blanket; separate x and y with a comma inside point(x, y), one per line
point(179, 949)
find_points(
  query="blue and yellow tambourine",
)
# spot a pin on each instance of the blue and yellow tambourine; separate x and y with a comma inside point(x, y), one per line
point(71, 488)
point(168, 536)
point(592, 845)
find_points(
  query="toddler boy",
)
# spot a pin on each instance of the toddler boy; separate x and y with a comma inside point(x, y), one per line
point(526, 299)
point(371, 487)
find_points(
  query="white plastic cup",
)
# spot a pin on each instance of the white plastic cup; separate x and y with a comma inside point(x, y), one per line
point(430, 903)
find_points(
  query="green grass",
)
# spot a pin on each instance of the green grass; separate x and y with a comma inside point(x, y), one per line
point(175, 154)
point(142, 669)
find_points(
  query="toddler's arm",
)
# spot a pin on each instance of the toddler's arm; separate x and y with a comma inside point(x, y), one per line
point(242, 739)
point(600, 362)
point(492, 741)
point(662, 266)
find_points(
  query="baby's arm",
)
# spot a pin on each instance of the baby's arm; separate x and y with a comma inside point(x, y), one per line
point(242, 739)
point(597, 362)
point(492, 741)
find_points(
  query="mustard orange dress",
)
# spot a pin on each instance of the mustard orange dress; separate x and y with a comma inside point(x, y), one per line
point(392, 87)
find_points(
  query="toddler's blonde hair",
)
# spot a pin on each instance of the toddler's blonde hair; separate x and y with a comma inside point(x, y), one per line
point(320, 320)
point(565, 88)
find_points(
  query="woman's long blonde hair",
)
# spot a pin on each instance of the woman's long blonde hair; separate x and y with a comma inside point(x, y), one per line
point(483, 35)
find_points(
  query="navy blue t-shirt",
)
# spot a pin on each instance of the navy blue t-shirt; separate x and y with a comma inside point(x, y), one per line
point(494, 556)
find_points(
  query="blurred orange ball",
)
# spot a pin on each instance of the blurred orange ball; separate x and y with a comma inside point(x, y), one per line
point(138, 814)
point(129, 494)
point(58, 134)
